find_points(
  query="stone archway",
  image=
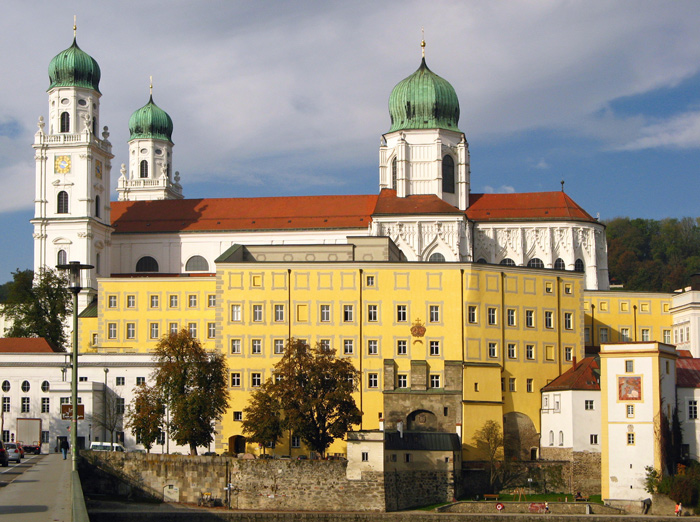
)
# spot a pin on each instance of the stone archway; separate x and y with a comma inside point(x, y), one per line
point(519, 435)
point(422, 420)
point(236, 444)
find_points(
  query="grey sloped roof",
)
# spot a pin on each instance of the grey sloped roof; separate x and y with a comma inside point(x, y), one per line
point(421, 441)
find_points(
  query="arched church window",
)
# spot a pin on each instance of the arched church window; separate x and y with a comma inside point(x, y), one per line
point(62, 202)
point(65, 122)
point(448, 174)
point(561, 438)
point(196, 264)
point(481, 261)
point(535, 262)
point(97, 206)
point(393, 173)
point(437, 257)
point(62, 258)
point(559, 264)
point(551, 438)
point(143, 169)
point(147, 264)
point(508, 262)
point(579, 266)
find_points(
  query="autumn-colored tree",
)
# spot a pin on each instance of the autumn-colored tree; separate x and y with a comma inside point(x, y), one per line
point(144, 415)
point(111, 416)
point(39, 310)
point(192, 383)
point(490, 442)
point(313, 390)
point(263, 417)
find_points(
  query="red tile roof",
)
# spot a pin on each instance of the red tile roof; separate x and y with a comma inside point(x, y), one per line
point(388, 203)
point(583, 376)
point(526, 206)
point(688, 373)
point(25, 345)
point(685, 354)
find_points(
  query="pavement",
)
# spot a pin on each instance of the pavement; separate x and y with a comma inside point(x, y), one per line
point(41, 494)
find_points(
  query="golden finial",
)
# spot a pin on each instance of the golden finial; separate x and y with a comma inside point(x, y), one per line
point(150, 78)
point(422, 41)
point(75, 25)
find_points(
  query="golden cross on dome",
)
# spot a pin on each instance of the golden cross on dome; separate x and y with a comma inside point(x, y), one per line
point(150, 85)
point(75, 25)
point(422, 41)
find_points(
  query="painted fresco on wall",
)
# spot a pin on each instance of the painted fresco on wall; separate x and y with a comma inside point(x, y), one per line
point(629, 388)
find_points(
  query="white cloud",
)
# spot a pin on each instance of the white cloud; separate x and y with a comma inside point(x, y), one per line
point(503, 189)
point(542, 164)
point(679, 132)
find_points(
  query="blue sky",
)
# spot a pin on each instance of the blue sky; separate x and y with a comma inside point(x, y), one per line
point(287, 98)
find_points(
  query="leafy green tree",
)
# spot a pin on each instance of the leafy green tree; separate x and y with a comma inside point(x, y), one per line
point(145, 414)
point(192, 383)
point(263, 416)
point(39, 310)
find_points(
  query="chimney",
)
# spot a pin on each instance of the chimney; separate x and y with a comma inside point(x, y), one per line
point(574, 362)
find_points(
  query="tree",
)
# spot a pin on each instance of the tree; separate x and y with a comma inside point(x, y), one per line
point(145, 414)
point(112, 414)
point(39, 310)
point(263, 417)
point(192, 383)
point(313, 391)
point(489, 440)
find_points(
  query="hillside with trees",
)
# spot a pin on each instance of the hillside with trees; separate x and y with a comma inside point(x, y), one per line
point(651, 255)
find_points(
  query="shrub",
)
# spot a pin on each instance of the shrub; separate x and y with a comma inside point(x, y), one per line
point(683, 490)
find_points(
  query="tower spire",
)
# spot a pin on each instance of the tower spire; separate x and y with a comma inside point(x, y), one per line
point(422, 41)
point(75, 25)
point(150, 86)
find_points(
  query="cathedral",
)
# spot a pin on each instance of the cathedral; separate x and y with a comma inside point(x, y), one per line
point(424, 203)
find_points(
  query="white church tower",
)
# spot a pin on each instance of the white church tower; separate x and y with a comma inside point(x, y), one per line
point(149, 175)
point(71, 203)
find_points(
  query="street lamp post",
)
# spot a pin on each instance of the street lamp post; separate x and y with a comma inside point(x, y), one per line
point(74, 268)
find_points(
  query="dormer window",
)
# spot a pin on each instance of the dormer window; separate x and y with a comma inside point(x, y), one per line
point(448, 174)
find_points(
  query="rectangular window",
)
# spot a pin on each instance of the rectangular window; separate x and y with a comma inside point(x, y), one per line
point(112, 300)
point(568, 289)
point(120, 381)
point(624, 335)
point(588, 404)
point(568, 353)
point(372, 316)
point(645, 335)
point(401, 314)
point(140, 381)
point(94, 339)
point(471, 314)
point(401, 347)
point(131, 301)
point(630, 439)
point(667, 336)
point(603, 335)
point(235, 379)
point(629, 366)
point(192, 329)
point(257, 313)
point(348, 346)
point(693, 410)
point(45, 437)
point(530, 351)
point(372, 347)
point(372, 380)
point(296, 441)
point(235, 313)
point(211, 330)
point(510, 314)
point(493, 350)
point(111, 330)
point(279, 346)
point(549, 352)
point(45, 405)
point(121, 405)
point(25, 404)
point(6, 435)
point(154, 301)
point(348, 313)
point(594, 439)
point(549, 288)
point(434, 314)
point(279, 313)
point(492, 316)
point(130, 330)
point(325, 313)
point(255, 379)
point(369, 281)
point(434, 348)
point(256, 346)
point(407, 458)
point(237, 416)
point(365, 456)
point(192, 301)
point(402, 381)
point(173, 328)
point(568, 321)
point(325, 344)
point(587, 335)
point(211, 300)
point(434, 381)
point(173, 301)
point(530, 318)
point(630, 411)
point(529, 384)
point(154, 330)
point(512, 352)
point(548, 320)
point(511, 384)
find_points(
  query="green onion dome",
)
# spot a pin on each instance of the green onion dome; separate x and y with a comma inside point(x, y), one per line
point(74, 68)
point(150, 122)
point(424, 100)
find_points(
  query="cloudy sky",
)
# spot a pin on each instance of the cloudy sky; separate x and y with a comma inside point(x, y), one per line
point(287, 98)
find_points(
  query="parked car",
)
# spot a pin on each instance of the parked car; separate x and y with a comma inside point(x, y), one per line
point(4, 460)
point(107, 446)
point(13, 452)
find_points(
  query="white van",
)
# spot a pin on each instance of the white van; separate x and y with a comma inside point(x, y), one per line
point(107, 446)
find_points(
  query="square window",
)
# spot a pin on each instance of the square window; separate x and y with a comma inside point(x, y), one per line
point(211, 300)
point(402, 381)
point(325, 344)
point(235, 313)
point(296, 441)
point(173, 301)
point(235, 379)
point(154, 301)
point(401, 347)
point(131, 301)
point(529, 385)
point(568, 321)
point(238, 416)
point(257, 313)
point(192, 301)
point(119, 381)
point(372, 347)
point(211, 330)
point(471, 314)
point(434, 348)
point(512, 351)
point(549, 320)
point(434, 314)
point(629, 366)
point(325, 313)
point(492, 316)
point(112, 301)
point(372, 313)
point(154, 330)
point(140, 380)
point(348, 346)
point(588, 404)
point(111, 330)
point(348, 313)
point(279, 313)
point(434, 381)
point(493, 350)
point(256, 379)
point(510, 313)
point(530, 351)
point(256, 346)
point(401, 314)
point(192, 329)
point(530, 318)
point(130, 330)
point(279, 346)
point(373, 380)
point(369, 281)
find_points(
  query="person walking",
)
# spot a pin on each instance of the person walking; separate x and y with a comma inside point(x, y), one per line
point(64, 448)
point(679, 509)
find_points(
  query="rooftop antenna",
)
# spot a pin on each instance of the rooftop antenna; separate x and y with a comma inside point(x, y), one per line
point(75, 25)
point(422, 41)
point(562, 185)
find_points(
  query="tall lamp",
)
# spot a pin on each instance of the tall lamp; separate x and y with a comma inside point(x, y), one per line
point(74, 268)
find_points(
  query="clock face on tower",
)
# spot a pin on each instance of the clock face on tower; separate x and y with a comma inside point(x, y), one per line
point(98, 169)
point(62, 164)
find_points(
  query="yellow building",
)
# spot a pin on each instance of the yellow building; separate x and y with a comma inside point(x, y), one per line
point(488, 337)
